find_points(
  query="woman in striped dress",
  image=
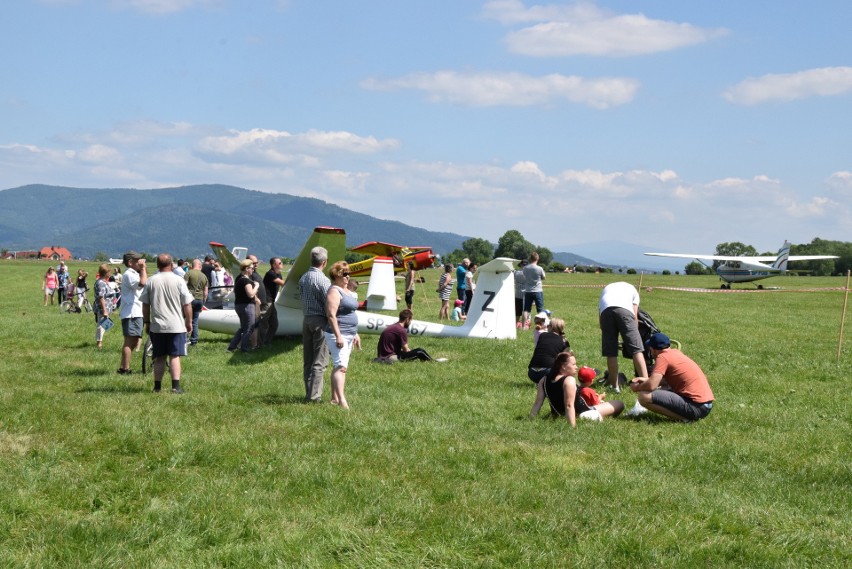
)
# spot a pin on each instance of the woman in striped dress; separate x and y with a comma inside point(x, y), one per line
point(445, 287)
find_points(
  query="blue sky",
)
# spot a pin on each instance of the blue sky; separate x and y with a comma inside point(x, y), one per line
point(673, 125)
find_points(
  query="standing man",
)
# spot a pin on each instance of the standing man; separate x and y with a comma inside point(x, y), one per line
point(313, 287)
point(272, 281)
point(132, 283)
point(167, 311)
point(520, 283)
point(198, 285)
point(618, 311)
point(261, 307)
point(410, 284)
point(533, 289)
point(690, 398)
point(461, 272)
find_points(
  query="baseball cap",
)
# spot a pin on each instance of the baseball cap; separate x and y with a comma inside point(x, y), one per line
point(658, 341)
point(587, 374)
point(459, 302)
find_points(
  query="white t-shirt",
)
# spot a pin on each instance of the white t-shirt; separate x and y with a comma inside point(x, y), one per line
point(620, 294)
point(131, 306)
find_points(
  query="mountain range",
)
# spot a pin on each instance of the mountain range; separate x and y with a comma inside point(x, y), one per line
point(183, 220)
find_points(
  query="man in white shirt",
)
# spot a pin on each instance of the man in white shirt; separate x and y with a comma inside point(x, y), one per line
point(132, 283)
point(619, 315)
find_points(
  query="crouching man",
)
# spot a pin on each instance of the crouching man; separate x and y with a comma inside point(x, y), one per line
point(393, 343)
point(690, 398)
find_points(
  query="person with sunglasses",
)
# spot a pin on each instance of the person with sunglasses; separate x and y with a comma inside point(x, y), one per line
point(341, 333)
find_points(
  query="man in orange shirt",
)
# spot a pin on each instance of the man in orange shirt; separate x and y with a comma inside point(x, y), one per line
point(690, 398)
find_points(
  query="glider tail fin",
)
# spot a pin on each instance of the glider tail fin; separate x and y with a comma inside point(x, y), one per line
point(381, 291)
point(226, 258)
point(492, 309)
point(333, 239)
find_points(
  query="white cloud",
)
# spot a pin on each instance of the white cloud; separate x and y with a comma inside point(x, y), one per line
point(512, 89)
point(584, 29)
point(479, 199)
point(822, 82)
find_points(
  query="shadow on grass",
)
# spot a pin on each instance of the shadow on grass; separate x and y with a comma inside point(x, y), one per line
point(275, 399)
point(85, 373)
point(129, 389)
point(279, 346)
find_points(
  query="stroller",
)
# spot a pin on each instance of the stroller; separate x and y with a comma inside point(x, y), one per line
point(647, 328)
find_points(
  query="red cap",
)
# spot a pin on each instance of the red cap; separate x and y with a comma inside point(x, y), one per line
point(587, 374)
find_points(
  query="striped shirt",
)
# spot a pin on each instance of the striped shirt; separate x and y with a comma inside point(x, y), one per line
point(313, 287)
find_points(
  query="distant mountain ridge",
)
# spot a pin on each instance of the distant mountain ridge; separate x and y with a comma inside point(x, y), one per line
point(185, 219)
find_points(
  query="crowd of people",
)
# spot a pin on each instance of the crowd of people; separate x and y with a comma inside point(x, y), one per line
point(169, 302)
point(676, 387)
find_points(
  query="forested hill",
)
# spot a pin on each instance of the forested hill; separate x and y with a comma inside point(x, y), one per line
point(185, 219)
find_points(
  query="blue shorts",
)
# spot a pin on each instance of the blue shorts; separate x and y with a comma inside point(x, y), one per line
point(534, 297)
point(132, 327)
point(168, 344)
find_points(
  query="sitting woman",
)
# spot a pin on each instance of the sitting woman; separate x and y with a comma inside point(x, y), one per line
point(341, 333)
point(548, 346)
point(560, 389)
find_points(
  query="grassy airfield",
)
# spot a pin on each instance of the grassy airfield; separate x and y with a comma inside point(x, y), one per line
point(436, 465)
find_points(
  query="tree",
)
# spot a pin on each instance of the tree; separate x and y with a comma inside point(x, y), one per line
point(478, 250)
point(696, 268)
point(733, 249)
point(513, 245)
point(100, 257)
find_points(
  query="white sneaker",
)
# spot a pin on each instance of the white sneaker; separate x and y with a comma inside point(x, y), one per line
point(441, 360)
point(637, 410)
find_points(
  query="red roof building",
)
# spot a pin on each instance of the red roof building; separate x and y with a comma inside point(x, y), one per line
point(55, 253)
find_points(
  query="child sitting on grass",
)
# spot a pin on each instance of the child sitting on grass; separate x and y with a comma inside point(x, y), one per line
point(586, 377)
point(457, 314)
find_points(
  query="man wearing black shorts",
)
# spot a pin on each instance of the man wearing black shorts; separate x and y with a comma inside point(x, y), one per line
point(167, 312)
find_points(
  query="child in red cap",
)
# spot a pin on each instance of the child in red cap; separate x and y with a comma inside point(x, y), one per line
point(586, 377)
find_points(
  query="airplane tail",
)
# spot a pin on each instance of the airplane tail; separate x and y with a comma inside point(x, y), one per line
point(334, 240)
point(228, 260)
point(492, 309)
point(782, 258)
point(381, 291)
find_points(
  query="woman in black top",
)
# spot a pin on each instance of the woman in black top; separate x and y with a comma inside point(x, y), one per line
point(548, 346)
point(245, 303)
point(563, 395)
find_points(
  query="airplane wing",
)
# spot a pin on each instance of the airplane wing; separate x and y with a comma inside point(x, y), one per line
point(377, 248)
point(760, 259)
point(811, 257)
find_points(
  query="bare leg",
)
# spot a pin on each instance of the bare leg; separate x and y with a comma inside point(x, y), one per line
point(610, 408)
point(612, 370)
point(639, 364)
point(131, 343)
point(338, 385)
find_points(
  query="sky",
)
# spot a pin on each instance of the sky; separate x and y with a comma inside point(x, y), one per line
point(668, 124)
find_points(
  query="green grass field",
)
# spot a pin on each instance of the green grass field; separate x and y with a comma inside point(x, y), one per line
point(435, 465)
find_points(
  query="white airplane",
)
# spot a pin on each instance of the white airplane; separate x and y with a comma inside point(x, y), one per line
point(491, 314)
point(748, 269)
